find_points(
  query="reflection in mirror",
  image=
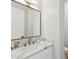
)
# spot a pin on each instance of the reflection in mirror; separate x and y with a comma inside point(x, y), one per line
point(25, 21)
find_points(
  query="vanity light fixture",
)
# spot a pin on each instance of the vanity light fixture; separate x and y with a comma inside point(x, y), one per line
point(28, 1)
point(31, 2)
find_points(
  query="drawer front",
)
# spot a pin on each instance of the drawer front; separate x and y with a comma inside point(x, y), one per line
point(45, 54)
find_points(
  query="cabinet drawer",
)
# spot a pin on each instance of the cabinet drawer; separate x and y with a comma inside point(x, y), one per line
point(45, 54)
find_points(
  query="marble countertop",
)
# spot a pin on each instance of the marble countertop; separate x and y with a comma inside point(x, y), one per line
point(23, 52)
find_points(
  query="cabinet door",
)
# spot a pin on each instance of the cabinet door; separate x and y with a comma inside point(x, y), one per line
point(45, 54)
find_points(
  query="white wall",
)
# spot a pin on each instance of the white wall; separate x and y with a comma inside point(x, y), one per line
point(49, 19)
point(53, 25)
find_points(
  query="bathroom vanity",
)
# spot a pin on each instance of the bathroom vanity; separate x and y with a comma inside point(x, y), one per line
point(42, 50)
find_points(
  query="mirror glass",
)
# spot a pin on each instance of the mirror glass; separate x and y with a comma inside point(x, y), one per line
point(25, 21)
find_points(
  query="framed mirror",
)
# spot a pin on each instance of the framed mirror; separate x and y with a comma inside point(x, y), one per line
point(25, 21)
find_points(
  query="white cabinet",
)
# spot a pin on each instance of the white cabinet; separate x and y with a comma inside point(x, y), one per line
point(45, 54)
